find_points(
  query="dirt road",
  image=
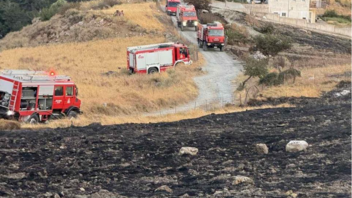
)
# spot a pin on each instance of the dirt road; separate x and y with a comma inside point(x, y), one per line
point(216, 86)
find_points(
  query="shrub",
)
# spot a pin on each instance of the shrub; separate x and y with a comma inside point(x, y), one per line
point(270, 79)
point(289, 74)
point(47, 13)
point(272, 44)
point(236, 34)
point(267, 29)
point(256, 68)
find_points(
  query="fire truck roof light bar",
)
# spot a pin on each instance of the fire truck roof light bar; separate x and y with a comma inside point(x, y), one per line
point(146, 47)
point(26, 75)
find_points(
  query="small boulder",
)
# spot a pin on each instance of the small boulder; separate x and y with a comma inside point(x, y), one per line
point(164, 188)
point(262, 149)
point(188, 151)
point(296, 145)
point(242, 179)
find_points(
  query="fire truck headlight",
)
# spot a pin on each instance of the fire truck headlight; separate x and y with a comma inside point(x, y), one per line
point(195, 23)
point(10, 113)
point(184, 23)
point(7, 96)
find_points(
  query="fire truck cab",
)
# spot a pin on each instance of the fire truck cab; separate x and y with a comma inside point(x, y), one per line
point(211, 35)
point(37, 96)
point(186, 16)
point(157, 58)
point(171, 6)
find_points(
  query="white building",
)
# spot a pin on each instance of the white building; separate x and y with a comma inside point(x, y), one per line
point(297, 9)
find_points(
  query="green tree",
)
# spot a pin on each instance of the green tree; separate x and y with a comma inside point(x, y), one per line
point(254, 68)
point(271, 44)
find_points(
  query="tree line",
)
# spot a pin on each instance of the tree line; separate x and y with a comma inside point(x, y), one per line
point(15, 14)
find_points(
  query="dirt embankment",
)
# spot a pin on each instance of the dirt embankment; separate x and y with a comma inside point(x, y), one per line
point(134, 160)
point(73, 26)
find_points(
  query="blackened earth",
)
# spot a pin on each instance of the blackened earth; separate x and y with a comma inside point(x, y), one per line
point(133, 160)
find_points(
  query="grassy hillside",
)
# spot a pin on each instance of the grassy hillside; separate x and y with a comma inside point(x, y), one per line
point(99, 69)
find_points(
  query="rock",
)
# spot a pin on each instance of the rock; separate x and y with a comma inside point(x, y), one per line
point(56, 195)
point(15, 176)
point(291, 194)
point(242, 179)
point(82, 189)
point(184, 196)
point(188, 151)
point(296, 145)
point(48, 194)
point(262, 149)
point(164, 188)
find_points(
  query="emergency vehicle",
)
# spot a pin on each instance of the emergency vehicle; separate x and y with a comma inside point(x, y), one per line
point(37, 96)
point(171, 6)
point(211, 35)
point(156, 58)
point(186, 16)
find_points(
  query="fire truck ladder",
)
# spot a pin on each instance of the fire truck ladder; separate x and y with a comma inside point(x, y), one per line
point(16, 87)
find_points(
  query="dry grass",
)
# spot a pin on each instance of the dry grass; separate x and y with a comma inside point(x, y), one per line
point(108, 120)
point(141, 14)
point(312, 83)
point(120, 93)
point(9, 125)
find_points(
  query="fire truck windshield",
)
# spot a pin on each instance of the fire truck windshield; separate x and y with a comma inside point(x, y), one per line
point(216, 32)
point(173, 4)
point(189, 14)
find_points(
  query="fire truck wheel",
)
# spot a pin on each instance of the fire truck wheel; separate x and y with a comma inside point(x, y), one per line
point(72, 114)
point(34, 119)
point(152, 70)
point(220, 49)
point(182, 27)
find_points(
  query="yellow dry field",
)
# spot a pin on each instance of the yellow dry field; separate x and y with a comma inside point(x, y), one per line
point(312, 83)
point(117, 94)
point(142, 14)
point(108, 120)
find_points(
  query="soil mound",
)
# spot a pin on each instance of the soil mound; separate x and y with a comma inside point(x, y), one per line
point(143, 160)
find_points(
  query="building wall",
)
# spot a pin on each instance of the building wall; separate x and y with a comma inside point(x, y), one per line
point(297, 9)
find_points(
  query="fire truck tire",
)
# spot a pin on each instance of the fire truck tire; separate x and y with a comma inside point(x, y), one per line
point(34, 119)
point(182, 28)
point(220, 49)
point(152, 70)
point(72, 114)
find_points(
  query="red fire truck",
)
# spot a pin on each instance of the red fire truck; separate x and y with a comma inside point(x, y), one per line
point(36, 96)
point(186, 16)
point(156, 58)
point(211, 35)
point(171, 6)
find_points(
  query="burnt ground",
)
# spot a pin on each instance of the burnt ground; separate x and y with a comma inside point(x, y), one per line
point(133, 160)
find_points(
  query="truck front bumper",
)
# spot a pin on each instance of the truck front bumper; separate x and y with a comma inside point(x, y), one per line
point(189, 23)
point(6, 113)
point(215, 45)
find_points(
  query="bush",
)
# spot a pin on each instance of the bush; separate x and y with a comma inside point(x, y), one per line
point(272, 44)
point(270, 79)
point(289, 74)
point(267, 29)
point(47, 13)
point(333, 14)
point(236, 34)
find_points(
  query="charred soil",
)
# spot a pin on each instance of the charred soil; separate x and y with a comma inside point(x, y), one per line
point(134, 160)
